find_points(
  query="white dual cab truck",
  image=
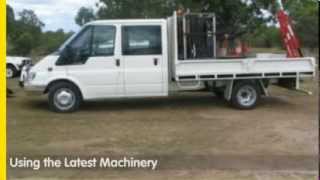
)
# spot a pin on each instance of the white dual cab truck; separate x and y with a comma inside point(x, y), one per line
point(153, 58)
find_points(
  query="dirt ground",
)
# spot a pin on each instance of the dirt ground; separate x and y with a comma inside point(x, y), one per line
point(194, 136)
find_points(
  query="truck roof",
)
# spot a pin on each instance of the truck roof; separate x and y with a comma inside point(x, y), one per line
point(126, 21)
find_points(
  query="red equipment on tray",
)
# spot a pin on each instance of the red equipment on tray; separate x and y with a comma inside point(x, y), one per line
point(289, 38)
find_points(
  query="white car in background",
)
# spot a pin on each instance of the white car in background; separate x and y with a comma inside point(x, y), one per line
point(15, 64)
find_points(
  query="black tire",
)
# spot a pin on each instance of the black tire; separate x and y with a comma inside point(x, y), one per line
point(61, 87)
point(244, 102)
point(13, 70)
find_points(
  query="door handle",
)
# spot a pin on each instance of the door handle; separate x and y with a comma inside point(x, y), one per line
point(155, 61)
point(117, 62)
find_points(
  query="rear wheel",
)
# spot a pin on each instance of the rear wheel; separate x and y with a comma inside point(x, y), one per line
point(245, 95)
point(64, 97)
point(11, 71)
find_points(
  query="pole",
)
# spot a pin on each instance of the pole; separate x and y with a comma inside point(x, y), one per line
point(280, 5)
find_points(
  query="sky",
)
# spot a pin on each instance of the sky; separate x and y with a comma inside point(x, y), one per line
point(55, 14)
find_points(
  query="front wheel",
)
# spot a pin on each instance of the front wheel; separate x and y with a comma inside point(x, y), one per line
point(245, 95)
point(11, 71)
point(64, 97)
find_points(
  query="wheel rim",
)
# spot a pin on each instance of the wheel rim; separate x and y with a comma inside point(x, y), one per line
point(247, 96)
point(9, 72)
point(64, 99)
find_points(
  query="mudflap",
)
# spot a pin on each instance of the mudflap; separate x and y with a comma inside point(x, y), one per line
point(293, 84)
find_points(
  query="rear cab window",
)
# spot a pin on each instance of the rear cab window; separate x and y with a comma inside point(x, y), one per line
point(141, 40)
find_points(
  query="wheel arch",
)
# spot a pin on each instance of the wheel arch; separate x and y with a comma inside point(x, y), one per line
point(65, 81)
point(13, 65)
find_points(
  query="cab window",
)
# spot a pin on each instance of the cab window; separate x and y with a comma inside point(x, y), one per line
point(91, 41)
point(103, 41)
point(141, 40)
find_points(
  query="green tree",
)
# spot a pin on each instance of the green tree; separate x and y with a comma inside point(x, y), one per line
point(84, 16)
point(28, 17)
point(234, 17)
point(25, 36)
point(22, 44)
point(305, 19)
point(111, 9)
point(26, 33)
point(10, 27)
point(10, 19)
point(51, 41)
point(265, 37)
point(305, 15)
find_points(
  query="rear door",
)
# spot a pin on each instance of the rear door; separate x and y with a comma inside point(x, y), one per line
point(142, 51)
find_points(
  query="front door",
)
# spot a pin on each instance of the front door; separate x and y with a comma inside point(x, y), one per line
point(94, 64)
point(143, 60)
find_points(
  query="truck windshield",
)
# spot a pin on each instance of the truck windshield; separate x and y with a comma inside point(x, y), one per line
point(67, 42)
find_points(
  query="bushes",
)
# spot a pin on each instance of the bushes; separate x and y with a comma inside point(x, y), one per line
point(25, 35)
point(265, 37)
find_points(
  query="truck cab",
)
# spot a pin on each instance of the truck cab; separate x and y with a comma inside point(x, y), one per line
point(106, 59)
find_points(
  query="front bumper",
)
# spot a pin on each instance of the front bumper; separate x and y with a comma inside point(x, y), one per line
point(32, 89)
point(27, 85)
